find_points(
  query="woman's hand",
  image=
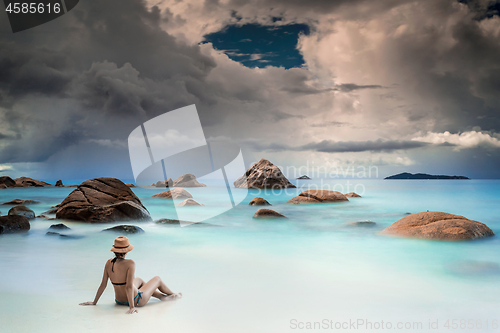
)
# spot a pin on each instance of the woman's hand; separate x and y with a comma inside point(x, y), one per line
point(132, 310)
point(88, 303)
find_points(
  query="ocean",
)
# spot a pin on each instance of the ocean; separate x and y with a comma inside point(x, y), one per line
point(310, 272)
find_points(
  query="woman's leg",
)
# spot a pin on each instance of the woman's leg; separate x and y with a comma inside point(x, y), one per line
point(149, 289)
point(138, 282)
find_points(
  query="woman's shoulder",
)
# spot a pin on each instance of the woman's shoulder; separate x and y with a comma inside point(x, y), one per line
point(130, 262)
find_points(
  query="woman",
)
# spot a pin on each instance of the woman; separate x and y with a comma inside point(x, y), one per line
point(129, 290)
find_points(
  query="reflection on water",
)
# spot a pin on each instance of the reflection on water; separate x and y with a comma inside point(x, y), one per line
point(252, 275)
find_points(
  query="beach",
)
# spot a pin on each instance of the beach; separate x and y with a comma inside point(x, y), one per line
point(248, 275)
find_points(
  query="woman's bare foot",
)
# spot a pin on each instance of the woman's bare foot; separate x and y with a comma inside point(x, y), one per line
point(170, 297)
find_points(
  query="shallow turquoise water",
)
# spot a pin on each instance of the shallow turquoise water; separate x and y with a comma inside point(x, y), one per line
point(266, 276)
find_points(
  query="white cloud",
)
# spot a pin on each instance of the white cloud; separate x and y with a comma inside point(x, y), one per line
point(120, 144)
point(471, 139)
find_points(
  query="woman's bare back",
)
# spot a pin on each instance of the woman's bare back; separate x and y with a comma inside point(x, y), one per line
point(117, 273)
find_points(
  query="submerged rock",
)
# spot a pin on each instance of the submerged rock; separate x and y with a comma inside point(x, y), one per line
point(23, 211)
point(7, 181)
point(174, 222)
point(102, 200)
point(362, 223)
point(128, 229)
point(267, 213)
point(13, 223)
point(45, 217)
point(438, 226)
point(59, 183)
point(187, 180)
point(318, 196)
point(189, 202)
point(474, 268)
point(67, 236)
point(263, 174)
point(176, 193)
point(20, 202)
point(352, 195)
point(258, 201)
point(27, 182)
point(59, 226)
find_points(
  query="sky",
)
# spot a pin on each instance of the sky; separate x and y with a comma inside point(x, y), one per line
point(399, 85)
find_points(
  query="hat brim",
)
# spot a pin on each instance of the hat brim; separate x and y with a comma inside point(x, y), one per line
point(125, 250)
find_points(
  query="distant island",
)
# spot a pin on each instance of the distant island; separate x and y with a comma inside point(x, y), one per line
point(303, 177)
point(407, 175)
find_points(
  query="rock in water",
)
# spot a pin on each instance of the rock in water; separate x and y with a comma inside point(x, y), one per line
point(187, 180)
point(189, 202)
point(164, 183)
point(7, 181)
point(438, 226)
point(13, 223)
point(23, 211)
point(59, 183)
point(59, 226)
point(176, 193)
point(352, 195)
point(318, 196)
point(303, 177)
point(20, 202)
point(130, 185)
point(267, 213)
point(258, 201)
point(27, 182)
point(102, 200)
point(363, 224)
point(127, 229)
point(263, 174)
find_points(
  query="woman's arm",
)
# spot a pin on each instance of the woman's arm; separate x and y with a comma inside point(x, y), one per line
point(101, 289)
point(130, 287)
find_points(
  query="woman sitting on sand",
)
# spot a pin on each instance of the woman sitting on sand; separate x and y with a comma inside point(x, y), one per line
point(129, 290)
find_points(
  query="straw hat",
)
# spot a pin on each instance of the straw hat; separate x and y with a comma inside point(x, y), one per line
point(122, 245)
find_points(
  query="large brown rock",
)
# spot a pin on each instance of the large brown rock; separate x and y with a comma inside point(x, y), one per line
point(23, 211)
point(13, 223)
point(438, 226)
point(59, 183)
point(176, 193)
point(258, 201)
point(187, 180)
point(267, 213)
point(102, 200)
point(263, 174)
point(318, 196)
point(27, 182)
point(7, 181)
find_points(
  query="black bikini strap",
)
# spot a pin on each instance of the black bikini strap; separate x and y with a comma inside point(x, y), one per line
point(113, 261)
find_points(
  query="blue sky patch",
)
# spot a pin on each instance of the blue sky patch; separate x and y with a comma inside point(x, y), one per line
point(256, 45)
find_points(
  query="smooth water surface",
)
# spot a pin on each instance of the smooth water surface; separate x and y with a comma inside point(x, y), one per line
point(247, 275)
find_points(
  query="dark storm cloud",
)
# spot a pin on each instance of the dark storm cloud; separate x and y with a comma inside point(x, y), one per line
point(97, 72)
point(328, 146)
point(25, 71)
point(348, 87)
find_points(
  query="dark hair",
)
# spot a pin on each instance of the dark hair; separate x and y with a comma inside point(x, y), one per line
point(119, 255)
